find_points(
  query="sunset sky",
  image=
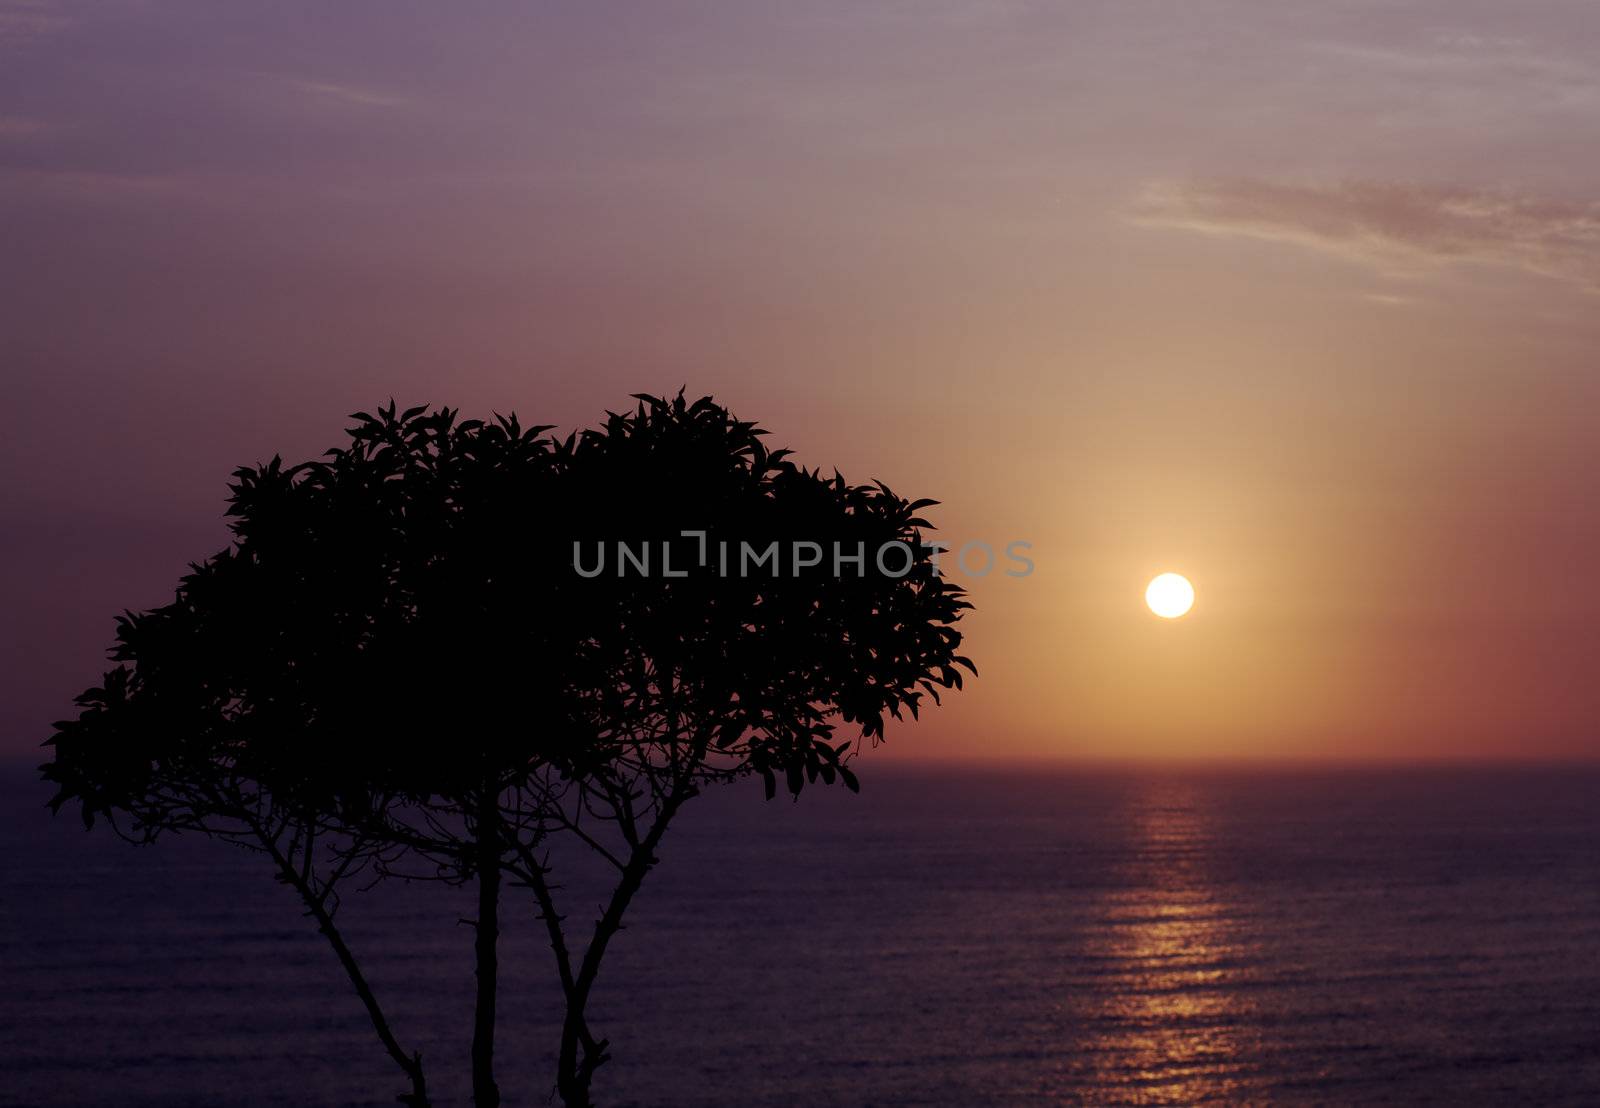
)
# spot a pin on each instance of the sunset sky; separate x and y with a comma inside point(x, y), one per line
point(1301, 300)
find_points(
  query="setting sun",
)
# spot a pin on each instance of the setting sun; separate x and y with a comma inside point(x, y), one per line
point(1170, 595)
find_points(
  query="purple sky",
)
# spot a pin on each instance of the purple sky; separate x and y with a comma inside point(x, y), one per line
point(1298, 299)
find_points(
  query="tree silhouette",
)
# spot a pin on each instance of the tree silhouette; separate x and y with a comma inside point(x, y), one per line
point(346, 666)
point(706, 667)
point(408, 662)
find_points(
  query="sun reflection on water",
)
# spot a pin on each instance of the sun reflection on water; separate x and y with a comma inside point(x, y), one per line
point(1172, 1025)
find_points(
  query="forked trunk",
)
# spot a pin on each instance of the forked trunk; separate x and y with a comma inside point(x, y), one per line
point(580, 1057)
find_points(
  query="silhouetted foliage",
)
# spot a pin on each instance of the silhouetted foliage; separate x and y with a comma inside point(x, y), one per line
point(398, 666)
point(355, 654)
point(728, 670)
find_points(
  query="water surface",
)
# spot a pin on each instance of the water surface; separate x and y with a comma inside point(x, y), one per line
point(946, 939)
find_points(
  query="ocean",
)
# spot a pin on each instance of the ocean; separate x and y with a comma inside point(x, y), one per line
point(946, 938)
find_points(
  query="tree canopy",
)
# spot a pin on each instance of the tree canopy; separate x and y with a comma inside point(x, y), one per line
point(449, 639)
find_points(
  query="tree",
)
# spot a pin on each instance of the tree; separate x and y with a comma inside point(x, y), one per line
point(124, 759)
point(346, 666)
point(406, 663)
point(689, 663)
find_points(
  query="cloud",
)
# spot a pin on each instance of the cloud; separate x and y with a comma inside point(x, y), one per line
point(98, 185)
point(1399, 228)
point(21, 20)
point(20, 126)
point(352, 95)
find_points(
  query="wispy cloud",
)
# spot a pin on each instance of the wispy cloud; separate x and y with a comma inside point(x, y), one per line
point(1395, 227)
point(99, 185)
point(20, 126)
point(21, 20)
point(352, 95)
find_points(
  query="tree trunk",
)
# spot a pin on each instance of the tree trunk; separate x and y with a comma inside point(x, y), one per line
point(485, 1093)
point(410, 1064)
point(575, 1072)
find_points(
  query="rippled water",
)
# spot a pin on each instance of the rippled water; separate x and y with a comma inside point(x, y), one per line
point(943, 939)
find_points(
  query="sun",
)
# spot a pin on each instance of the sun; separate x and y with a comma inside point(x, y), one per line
point(1170, 595)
